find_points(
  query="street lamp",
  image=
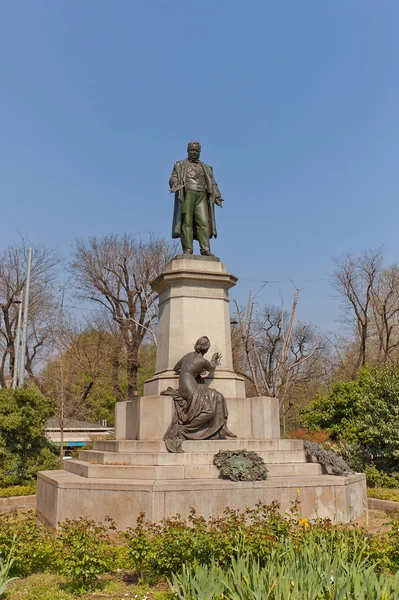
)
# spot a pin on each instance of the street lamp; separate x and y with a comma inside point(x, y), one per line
point(17, 300)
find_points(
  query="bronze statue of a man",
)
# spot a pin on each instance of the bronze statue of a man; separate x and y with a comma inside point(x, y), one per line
point(196, 193)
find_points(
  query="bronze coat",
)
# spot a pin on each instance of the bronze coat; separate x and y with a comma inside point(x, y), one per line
point(179, 178)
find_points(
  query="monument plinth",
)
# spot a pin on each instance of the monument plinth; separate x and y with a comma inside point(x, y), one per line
point(193, 300)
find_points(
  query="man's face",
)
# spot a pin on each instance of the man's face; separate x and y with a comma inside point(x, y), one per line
point(193, 152)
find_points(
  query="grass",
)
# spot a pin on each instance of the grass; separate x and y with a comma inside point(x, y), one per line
point(54, 587)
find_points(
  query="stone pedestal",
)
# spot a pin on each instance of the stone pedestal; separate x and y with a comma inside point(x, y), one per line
point(148, 418)
point(134, 473)
point(194, 301)
point(122, 478)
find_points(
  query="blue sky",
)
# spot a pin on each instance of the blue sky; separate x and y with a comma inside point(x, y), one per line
point(295, 103)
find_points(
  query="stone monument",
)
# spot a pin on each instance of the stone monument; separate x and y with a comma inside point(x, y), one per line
point(162, 460)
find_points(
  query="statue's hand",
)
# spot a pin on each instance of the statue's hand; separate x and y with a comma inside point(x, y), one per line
point(219, 202)
point(216, 358)
point(176, 187)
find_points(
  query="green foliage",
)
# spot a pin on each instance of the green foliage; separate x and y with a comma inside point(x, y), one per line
point(377, 478)
point(161, 548)
point(198, 582)
point(5, 568)
point(84, 551)
point(393, 537)
point(18, 490)
point(24, 450)
point(310, 572)
point(363, 412)
point(147, 356)
point(34, 549)
point(383, 494)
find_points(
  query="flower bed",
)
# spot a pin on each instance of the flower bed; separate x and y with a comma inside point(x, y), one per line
point(242, 544)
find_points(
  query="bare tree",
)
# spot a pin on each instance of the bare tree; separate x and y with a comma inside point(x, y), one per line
point(276, 347)
point(355, 278)
point(115, 272)
point(385, 309)
point(13, 265)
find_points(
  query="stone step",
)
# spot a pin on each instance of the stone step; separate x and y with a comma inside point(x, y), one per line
point(198, 446)
point(186, 458)
point(175, 472)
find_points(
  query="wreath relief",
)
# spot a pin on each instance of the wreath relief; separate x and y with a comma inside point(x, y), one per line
point(240, 465)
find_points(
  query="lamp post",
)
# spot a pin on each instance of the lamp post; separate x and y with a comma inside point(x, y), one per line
point(25, 322)
point(18, 300)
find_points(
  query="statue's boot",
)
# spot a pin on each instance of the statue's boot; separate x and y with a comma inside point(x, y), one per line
point(206, 253)
point(225, 433)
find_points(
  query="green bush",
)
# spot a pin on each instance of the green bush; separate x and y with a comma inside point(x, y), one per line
point(383, 494)
point(160, 548)
point(18, 490)
point(34, 550)
point(24, 449)
point(364, 412)
point(84, 551)
point(377, 478)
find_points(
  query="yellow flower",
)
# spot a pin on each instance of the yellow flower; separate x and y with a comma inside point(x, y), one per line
point(304, 522)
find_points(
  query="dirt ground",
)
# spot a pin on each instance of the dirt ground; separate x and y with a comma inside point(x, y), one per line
point(377, 521)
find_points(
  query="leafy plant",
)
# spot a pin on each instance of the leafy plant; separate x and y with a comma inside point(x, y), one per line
point(5, 568)
point(18, 490)
point(310, 572)
point(34, 550)
point(24, 449)
point(383, 494)
point(364, 412)
point(377, 478)
point(84, 551)
point(161, 548)
point(198, 582)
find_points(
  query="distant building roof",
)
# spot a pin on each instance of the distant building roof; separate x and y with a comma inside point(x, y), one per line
point(75, 424)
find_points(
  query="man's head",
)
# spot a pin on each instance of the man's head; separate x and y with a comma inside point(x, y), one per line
point(194, 151)
point(202, 345)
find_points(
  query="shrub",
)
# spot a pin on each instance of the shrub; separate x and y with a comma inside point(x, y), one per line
point(84, 551)
point(18, 490)
point(24, 450)
point(161, 548)
point(363, 412)
point(377, 478)
point(383, 494)
point(34, 547)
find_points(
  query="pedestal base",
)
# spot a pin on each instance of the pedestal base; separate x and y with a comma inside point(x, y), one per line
point(62, 495)
point(148, 418)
